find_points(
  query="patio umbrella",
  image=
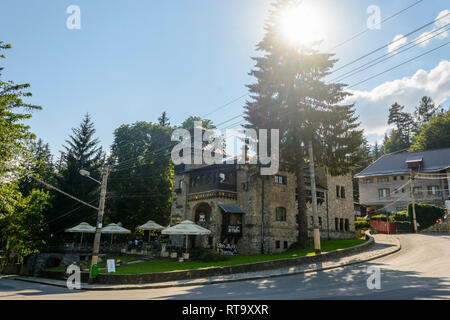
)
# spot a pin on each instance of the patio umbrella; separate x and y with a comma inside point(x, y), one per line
point(113, 228)
point(151, 225)
point(186, 227)
point(83, 227)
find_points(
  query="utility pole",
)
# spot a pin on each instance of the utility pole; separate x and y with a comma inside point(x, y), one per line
point(314, 199)
point(98, 230)
point(262, 214)
point(411, 176)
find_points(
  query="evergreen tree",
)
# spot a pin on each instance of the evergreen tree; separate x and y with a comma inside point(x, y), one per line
point(40, 164)
point(164, 120)
point(291, 95)
point(377, 151)
point(395, 114)
point(82, 151)
point(424, 112)
point(400, 138)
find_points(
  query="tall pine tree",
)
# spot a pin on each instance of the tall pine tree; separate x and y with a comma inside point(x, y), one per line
point(290, 94)
point(82, 151)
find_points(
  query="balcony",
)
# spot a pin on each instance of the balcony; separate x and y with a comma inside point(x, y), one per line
point(212, 195)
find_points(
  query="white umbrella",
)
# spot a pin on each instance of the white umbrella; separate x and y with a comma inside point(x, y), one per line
point(113, 228)
point(83, 227)
point(151, 225)
point(186, 227)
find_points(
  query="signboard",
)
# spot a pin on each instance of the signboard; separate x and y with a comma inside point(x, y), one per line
point(226, 248)
point(234, 229)
point(111, 265)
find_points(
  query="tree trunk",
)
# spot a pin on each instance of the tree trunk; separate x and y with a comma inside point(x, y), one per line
point(301, 203)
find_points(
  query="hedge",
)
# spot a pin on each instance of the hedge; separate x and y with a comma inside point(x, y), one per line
point(401, 216)
point(426, 214)
point(403, 226)
point(362, 224)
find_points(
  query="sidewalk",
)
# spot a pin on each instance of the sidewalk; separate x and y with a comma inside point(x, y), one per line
point(384, 245)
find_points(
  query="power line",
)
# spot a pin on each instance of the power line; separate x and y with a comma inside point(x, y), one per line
point(388, 44)
point(224, 122)
point(389, 56)
point(401, 64)
point(60, 191)
point(379, 23)
point(67, 213)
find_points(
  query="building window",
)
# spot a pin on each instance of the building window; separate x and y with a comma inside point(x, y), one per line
point(383, 179)
point(280, 179)
point(417, 191)
point(320, 222)
point(347, 225)
point(369, 180)
point(340, 192)
point(403, 190)
point(336, 224)
point(180, 185)
point(341, 224)
point(280, 214)
point(383, 193)
point(395, 178)
point(434, 190)
point(402, 177)
point(285, 244)
point(277, 244)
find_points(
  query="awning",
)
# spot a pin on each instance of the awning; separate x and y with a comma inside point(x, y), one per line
point(114, 228)
point(83, 228)
point(186, 227)
point(230, 208)
point(151, 225)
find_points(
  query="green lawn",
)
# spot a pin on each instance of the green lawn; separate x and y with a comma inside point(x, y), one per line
point(166, 264)
point(163, 265)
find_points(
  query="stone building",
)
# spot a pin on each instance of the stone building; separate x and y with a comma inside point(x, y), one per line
point(257, 213)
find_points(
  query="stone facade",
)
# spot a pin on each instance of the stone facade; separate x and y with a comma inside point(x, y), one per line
point(200, 193)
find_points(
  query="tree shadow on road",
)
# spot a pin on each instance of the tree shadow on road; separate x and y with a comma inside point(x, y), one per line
point(343, 283)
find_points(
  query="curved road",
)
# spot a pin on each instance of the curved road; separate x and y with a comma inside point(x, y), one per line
point(421, 270)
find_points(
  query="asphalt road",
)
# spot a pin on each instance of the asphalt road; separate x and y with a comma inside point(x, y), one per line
point(421, 270)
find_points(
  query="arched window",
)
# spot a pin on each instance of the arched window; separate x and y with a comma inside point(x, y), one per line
point(280, 214)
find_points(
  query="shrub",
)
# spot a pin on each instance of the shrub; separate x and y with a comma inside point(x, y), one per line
point(378, 217)
point(426, 214)
point(401, 216)
point(362, 224)
point(403, 226)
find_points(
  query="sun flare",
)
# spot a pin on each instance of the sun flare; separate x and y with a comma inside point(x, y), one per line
point(301, 24)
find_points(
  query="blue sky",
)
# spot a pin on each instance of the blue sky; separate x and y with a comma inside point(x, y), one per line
point(131, 60)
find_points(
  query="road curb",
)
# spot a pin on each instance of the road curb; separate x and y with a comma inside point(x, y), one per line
point(196, 282)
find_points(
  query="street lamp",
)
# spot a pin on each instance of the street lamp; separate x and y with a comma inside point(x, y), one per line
point(87, 174)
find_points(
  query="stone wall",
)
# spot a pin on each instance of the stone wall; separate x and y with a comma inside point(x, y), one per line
point(217, 271)
point(36, 262)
